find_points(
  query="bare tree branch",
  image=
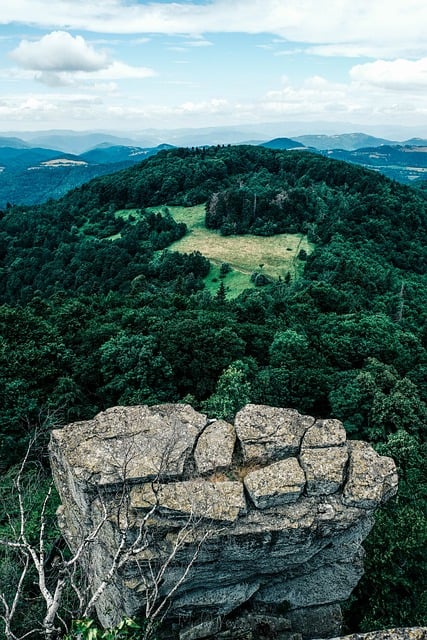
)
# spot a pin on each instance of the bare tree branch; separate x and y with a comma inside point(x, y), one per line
point(135, 538)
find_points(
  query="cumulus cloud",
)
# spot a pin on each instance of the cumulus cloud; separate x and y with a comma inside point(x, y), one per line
point(359, 26)
point(59, 51)
point(398, 74)
point(60, 59)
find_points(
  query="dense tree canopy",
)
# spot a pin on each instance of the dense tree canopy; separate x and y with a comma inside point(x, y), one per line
point(95, 310)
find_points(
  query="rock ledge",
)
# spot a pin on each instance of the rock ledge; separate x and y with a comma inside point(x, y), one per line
point(263, 517)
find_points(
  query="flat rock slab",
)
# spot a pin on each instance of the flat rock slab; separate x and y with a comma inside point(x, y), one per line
point(279, 483)
point(130, 443)
point(196, 498)
point(270, 433)
point(320, 587)
point(202, 630)
point(222, 600)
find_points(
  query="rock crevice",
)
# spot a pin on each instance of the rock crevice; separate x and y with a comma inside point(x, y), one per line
point(278, 527)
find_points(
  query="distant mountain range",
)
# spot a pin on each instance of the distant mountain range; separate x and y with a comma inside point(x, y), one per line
point(31, 171)
point(348, 141)
point(78, 142)
point(32, 175)
point(404, 163)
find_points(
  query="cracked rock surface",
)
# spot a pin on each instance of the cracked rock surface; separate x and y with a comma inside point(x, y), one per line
point(266, 515)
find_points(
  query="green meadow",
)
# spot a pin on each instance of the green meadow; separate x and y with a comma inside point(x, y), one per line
point(244, 253)
point(274, 256)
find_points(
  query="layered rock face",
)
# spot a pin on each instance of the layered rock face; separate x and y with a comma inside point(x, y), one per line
point(209, 519)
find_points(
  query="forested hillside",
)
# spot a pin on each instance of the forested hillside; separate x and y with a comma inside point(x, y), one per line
point(97, 311)
point(29, 176)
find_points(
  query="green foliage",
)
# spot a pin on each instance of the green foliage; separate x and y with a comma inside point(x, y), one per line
point(126, 629)
point(134, 370)
point(393, 590)
point(97, 310)
point(375, 401)
point(288, 348)
point(224, 269)
point(232, 392)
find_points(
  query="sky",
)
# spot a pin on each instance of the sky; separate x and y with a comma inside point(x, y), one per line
point(132, 65)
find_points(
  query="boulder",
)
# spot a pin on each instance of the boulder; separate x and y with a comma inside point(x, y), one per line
point(324, 469)
point(324, 433)
point(372, 478)
point(270, 433)
point(277, 483)
point(132, 443)
point(215, 447)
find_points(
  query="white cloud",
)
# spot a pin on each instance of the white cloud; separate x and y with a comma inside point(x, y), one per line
point(361, 27)
point(290, 52)
point(115, 71)
point(59, 51)
point(352, 50)
point(118, 71)
point(215, 105)
point(320, 99)
point(55, 108)
point(312, 101)
point(398, 74)
point(198, 42)
point(189, 108)
point(59, 59)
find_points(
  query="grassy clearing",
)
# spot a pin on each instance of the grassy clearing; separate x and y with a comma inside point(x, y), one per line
point(235, 282)
point(278, 254)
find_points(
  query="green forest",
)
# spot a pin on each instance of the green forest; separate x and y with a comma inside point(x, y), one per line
point(97, 310)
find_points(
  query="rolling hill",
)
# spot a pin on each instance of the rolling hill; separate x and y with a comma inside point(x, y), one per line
point(282, 143)
point(32, 174)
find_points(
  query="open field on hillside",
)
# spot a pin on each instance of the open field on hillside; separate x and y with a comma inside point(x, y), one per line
point(278, 254)
point(244, 253)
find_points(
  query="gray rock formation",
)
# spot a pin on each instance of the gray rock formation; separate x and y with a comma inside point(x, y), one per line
point(410, 633)
point(262, 520)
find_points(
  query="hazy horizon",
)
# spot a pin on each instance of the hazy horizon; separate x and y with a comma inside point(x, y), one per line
point(227, 133)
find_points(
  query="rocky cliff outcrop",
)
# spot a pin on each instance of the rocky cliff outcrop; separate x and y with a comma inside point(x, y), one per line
point(258, 518)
